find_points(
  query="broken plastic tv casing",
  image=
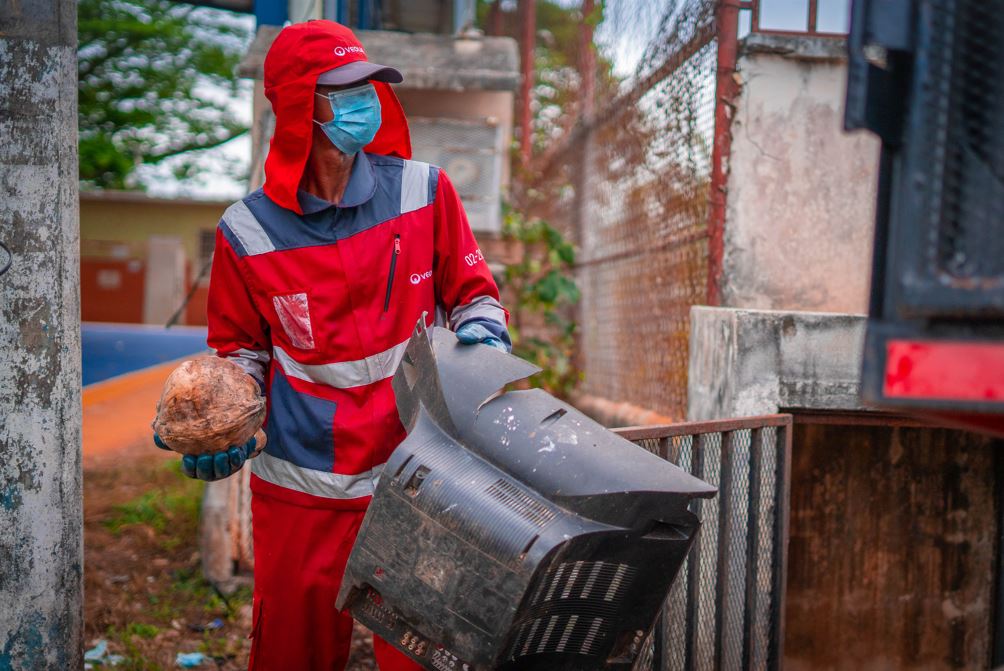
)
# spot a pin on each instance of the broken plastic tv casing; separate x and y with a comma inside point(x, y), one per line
point(510, 531)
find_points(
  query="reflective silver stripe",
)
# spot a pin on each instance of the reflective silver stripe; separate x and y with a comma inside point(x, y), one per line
point(414, 186)
point(344, 374)
point(484, 307)
point(253, 362)
point(246, 228)
point(316, 483)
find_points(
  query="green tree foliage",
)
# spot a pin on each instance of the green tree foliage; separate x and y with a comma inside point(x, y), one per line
point(156, 81)
point(543, 294)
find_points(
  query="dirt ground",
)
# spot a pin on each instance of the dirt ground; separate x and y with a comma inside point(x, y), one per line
point(143, 590)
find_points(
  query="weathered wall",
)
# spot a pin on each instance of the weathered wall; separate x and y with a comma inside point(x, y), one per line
point(753, 362)
point(801, 192)
point(910, 587)
point(40, 493)
point(133, 218)
point(115, 230)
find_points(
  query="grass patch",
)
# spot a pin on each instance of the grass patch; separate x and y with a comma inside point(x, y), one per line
point(130, 641)
point(142, 630)
point(171, 507)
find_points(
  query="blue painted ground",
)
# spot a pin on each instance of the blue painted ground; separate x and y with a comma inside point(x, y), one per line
point(114, 349)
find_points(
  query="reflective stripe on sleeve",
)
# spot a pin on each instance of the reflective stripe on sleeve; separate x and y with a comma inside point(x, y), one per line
point(316, 483)
point(344, 374)
point(252, 362)
point(414, 186)
point(483, 307)
point(247, 230)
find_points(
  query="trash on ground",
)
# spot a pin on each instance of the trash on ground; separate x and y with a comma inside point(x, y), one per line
point(190, 660)
point(209, 626)
point(98, 652)
point(99, 655)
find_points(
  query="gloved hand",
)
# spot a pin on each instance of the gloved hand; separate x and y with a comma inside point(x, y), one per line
point(213, 465)
point(473, 333)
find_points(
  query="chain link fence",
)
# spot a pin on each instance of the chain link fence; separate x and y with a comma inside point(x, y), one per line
point(725, 609)
point(633, 188)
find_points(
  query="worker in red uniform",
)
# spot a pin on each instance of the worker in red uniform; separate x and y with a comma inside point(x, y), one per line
point(318, 280)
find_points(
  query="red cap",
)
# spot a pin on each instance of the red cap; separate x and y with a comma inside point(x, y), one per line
point(321, 48)
point(300, 54)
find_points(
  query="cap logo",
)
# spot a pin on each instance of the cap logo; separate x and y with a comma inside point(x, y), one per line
point(341, 51)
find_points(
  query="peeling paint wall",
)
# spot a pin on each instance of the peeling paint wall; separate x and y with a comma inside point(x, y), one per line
point(801, 192)
point(40, 484)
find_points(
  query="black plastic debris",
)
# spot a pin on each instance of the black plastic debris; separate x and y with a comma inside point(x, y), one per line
point(510, 531)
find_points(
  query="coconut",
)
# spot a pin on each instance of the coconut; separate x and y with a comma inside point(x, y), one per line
point(209, 404)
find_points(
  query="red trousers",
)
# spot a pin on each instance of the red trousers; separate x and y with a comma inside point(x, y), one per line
point(300, 556)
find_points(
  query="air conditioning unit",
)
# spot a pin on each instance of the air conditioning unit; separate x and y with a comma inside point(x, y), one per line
point(510, 531)
point(471, 153)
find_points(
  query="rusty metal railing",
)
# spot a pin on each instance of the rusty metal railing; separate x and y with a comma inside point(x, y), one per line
point(726, 607)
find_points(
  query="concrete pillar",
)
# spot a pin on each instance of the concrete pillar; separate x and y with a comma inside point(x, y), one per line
point(41, 551)
point(164, 288)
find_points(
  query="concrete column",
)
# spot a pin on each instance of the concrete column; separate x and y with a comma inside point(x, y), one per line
point(164, 288)
point(41, 552)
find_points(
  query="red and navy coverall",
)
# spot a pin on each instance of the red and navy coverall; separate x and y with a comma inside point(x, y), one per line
point(318, 308)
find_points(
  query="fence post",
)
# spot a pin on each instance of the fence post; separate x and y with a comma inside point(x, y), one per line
point(726, 90)
point(528, 40)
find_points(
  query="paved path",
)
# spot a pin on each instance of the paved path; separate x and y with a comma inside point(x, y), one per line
point(118, 412)
point(124, 368)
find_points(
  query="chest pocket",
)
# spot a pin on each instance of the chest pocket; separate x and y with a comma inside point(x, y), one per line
point(293, 311)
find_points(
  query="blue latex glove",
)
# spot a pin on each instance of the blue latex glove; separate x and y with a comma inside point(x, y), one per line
point(473, 333)
point(213, 465)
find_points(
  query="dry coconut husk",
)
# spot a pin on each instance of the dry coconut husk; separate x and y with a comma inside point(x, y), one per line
point(209, 404)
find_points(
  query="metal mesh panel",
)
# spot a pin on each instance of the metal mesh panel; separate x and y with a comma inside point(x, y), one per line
point(704, 581)
point(723, 610)
point(634, 194)
point(967, 129)
point(764, 535)
point(736, 557)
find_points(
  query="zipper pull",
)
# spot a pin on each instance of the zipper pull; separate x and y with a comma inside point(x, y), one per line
point(397, 244)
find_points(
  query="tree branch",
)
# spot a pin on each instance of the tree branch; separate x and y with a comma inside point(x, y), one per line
point(192, 146)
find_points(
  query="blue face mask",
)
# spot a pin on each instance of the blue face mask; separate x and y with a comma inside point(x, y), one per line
point(357, 118)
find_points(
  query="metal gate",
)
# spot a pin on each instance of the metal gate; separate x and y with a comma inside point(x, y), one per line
point(726, 607)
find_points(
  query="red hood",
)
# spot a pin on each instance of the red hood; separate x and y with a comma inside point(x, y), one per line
point(298, 56)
